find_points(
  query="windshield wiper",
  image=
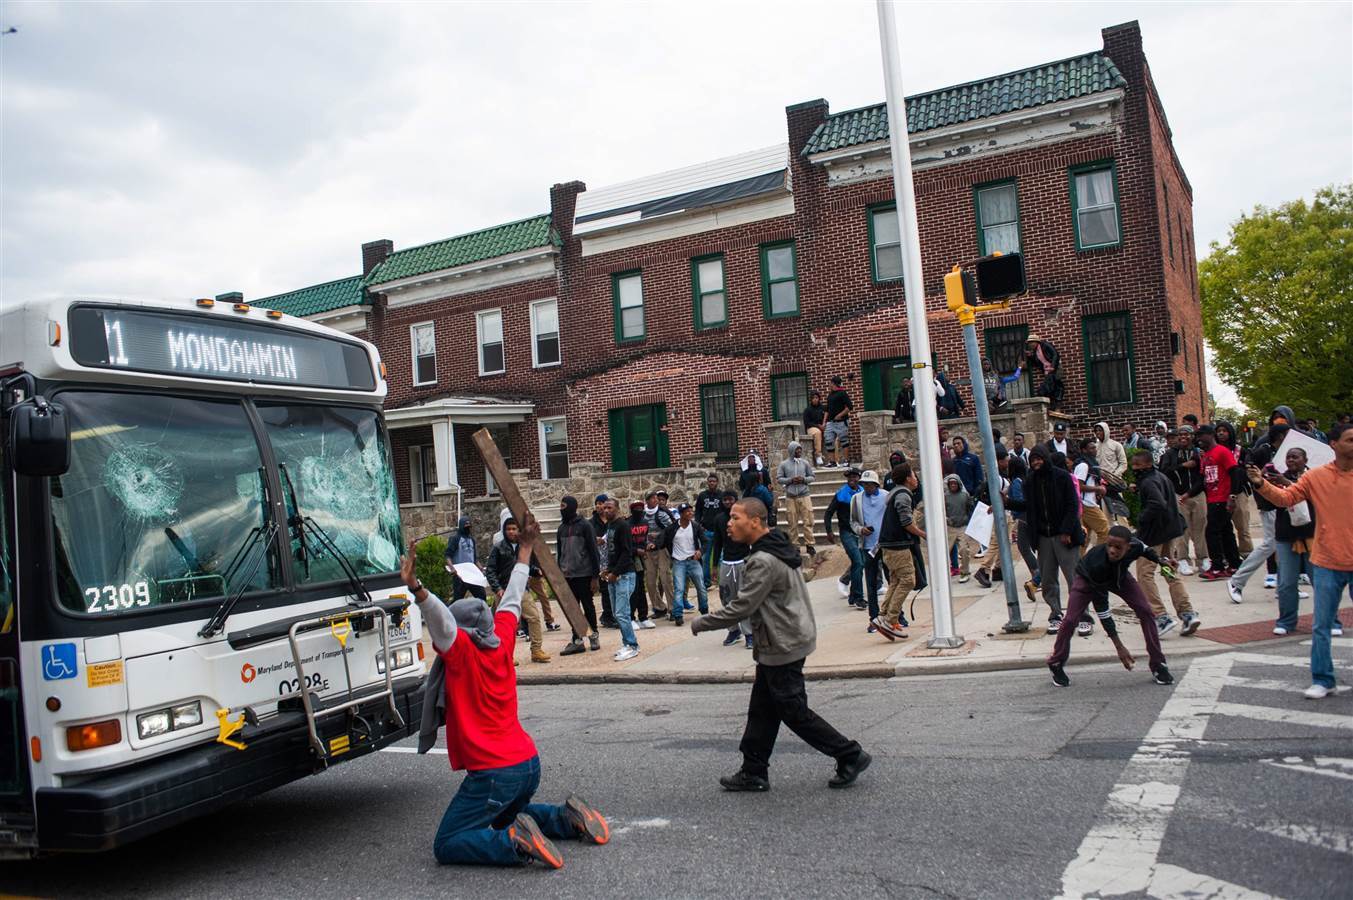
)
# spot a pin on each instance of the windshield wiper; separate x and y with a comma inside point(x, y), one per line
point(217, 621)
point(299, 523)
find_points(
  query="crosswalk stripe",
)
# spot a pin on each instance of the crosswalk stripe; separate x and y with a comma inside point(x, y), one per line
point(1310, 770)
point(1299, 662)
point(1285, 716)
point(1273, 684)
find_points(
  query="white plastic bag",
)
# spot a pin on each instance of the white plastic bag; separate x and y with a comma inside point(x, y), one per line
point(1300, 514)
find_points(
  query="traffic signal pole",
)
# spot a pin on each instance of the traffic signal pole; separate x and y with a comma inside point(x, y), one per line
point(967, 318)
point(944, 632)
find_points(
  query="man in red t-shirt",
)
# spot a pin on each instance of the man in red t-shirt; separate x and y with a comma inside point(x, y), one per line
point(491, 820)
point(1220, 485)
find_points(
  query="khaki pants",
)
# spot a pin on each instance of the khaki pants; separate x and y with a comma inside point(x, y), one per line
point(658, 582)
point(540, 589)
point(1195, 516)
point(800, 512)
point(901, 580)
point(1240, 518)
point(816, 435)
point(1146, 577)
point(965, 545)
point(535, 623)
point(1096, 522)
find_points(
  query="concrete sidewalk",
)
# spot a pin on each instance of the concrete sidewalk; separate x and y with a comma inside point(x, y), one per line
point(844, 650)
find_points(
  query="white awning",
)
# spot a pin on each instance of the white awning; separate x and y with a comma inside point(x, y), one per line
point(460, 411)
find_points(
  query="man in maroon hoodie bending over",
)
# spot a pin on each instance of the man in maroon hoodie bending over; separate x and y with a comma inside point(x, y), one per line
point(491, 820)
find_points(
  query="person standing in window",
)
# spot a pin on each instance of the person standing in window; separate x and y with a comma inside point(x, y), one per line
point(1042, 358)
point(815, 423)
point(837, 436)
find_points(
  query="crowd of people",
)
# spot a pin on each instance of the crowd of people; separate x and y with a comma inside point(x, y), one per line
point(630, 569)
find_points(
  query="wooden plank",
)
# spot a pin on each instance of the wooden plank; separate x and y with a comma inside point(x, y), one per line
point(516, 504)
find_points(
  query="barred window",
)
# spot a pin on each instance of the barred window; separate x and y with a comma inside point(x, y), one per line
point(1108, 358)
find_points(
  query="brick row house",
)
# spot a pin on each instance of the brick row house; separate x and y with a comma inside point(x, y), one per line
point(636, 325)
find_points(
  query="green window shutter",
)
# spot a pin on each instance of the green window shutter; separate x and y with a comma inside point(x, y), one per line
point(873, 387)
point(660, 435)
point(619, 441)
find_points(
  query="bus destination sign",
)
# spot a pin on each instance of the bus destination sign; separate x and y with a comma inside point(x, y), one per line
point(208, 346)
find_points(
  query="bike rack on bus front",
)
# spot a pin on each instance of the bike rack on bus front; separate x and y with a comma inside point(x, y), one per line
point(303, 691)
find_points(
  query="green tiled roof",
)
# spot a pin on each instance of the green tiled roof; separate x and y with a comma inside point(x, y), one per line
point(1025, 89)
point(317, 298)
point(464, 249)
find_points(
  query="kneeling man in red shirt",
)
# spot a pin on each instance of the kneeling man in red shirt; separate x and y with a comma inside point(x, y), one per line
point(491, 820)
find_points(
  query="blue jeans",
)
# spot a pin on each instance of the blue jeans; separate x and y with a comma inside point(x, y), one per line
point(621, 591)
point(689, 568)
point(1290, 565)
point(851, 542)
point(474, 828)
point(705, 561)
point(1330, 585)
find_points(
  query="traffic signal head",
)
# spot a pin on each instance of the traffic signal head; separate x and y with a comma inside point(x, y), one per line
point(999, 276)
point(959, 289)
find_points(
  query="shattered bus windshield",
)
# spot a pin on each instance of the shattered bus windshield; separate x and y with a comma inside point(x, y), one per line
point(164, 502)
point(335, 472)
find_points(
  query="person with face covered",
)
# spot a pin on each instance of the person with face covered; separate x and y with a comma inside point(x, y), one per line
point(1102, 571)
point(472, 690)
point(576, 544)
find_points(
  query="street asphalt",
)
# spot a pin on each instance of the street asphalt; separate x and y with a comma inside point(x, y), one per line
point(983, 785)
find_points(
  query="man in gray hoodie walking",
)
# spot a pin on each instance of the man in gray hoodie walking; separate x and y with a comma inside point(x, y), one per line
point(774, 598)
point(795, 474)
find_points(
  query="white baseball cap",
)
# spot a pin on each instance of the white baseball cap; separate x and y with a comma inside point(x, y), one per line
point(870, 477)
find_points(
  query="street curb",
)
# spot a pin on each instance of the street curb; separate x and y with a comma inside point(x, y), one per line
point(953, 666)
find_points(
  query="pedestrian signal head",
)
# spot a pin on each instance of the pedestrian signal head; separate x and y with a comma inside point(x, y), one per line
point(999, 276)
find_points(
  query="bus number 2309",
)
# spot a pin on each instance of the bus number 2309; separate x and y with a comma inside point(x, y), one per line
point(113, 597)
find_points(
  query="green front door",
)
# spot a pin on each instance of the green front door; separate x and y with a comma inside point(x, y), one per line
point(639, 437)
point(883, 379)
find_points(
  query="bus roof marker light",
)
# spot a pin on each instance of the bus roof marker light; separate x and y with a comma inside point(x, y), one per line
point(274, 314)
point(206, 302)
point(242, 307)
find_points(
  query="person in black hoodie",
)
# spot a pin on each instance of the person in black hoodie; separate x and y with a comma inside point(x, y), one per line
point(1104, 570)
point(638, 525)
point(598, 522)
point(580, 562)
point(774, 597)
point(1053, 511)
point(1159, 525)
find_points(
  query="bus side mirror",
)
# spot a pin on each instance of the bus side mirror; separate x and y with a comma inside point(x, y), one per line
point(39, 438)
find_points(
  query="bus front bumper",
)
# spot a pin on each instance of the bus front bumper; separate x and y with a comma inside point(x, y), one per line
point(116, 808)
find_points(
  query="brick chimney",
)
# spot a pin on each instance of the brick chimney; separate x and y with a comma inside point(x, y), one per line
point(563, 206)
point(1123, 45)
point(374, 253)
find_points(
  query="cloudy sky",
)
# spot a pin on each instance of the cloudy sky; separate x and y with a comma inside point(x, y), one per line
point(178, 150)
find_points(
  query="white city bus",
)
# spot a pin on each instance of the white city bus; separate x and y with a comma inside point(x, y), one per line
point(199, 596)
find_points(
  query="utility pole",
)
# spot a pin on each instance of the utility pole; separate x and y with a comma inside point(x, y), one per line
point(922, 363)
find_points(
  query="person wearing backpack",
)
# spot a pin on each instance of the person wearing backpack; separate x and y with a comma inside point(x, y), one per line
point(899, 535)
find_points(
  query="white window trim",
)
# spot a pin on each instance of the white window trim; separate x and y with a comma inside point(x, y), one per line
point(413, 352)
point(558, 334)
point(540, 435)
point(479, 340)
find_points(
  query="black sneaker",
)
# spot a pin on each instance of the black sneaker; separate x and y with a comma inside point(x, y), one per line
point(847, 772)
point(1058, 675)
point(609, 622)
point(741, 781)
point(1162, 675)
point(983, 578)
point(678, 621)
point(733, 637)
point(530, 842)
point(594, 641)
point(590, 824)
point(572, 648)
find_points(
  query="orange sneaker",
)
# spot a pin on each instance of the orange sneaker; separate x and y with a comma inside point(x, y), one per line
point(531, 843)
point(591, 824)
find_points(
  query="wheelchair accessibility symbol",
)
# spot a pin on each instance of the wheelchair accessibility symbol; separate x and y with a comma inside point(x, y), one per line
point(58, 662)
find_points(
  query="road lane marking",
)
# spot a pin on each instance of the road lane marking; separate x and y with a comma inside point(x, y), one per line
point(1118, 855)
point(402, 749)
point(1271, 684)
point(1285, 716)
point(1329, 766)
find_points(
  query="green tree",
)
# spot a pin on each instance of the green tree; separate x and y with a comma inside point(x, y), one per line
point(431, 566)
point(1278, 305)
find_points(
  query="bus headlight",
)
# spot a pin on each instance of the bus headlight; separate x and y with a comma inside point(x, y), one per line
point(150, 724)
point(163, 721)
point(399, 659)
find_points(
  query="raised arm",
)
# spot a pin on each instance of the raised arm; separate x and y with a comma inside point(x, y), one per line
point(441, 624)
point(1286, 495)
